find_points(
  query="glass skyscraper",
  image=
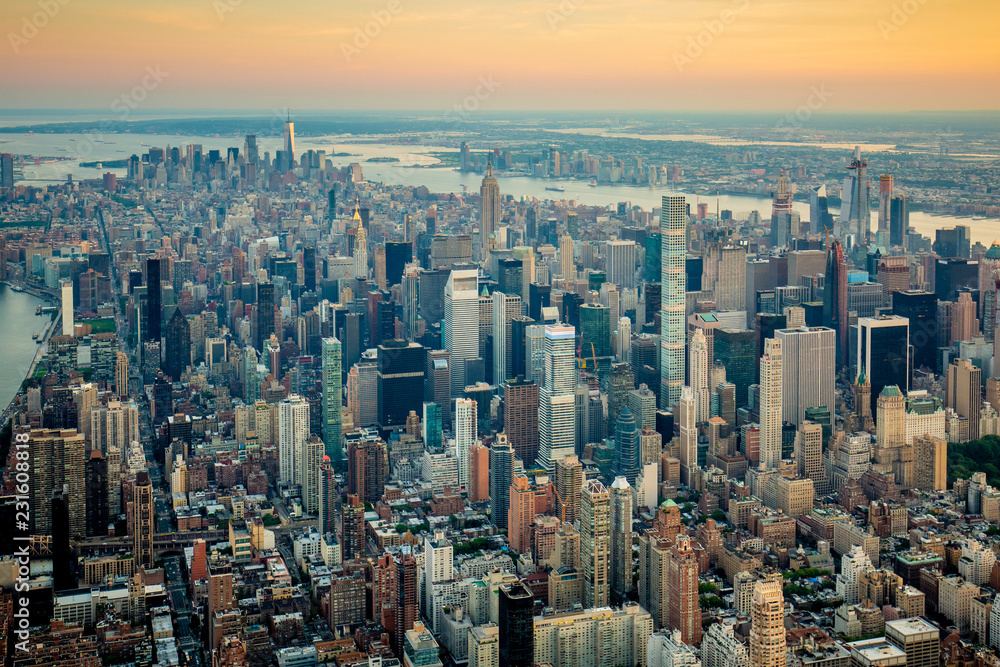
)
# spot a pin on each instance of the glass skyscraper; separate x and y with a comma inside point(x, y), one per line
point(332, 399)
point(673, 224)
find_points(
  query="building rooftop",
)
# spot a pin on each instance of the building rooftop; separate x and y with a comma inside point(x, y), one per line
point(912, 626)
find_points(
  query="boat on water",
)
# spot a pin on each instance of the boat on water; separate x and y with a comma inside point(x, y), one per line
point(556, 189)
point(34, 336)
point(17, 288)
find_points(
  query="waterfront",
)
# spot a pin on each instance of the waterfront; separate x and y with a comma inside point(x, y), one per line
point(416, 167)
point(17, 322)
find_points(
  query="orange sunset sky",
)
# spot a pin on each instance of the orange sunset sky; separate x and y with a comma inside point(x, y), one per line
point(872, 55)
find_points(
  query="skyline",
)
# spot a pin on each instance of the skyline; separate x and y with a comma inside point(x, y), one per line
point(761, 55)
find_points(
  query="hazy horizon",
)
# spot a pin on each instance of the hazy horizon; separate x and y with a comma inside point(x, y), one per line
point(686, 55)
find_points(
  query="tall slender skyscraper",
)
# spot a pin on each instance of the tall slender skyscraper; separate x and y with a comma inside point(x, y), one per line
point(489, 210)
point(621, 535)
point(569, 483)
point(698, 368)
point(771, 380)
point(835, 298)
point(143, 513)
point(557, 400)
point(265, 314)
point(566, 265)
point(360, 248)
point(884, 205)
point(333, 401)
point(293, 431)
point(855, 210)
point(673, 227)
point(289, 139)
point(505, 308)
point(595, 542)
point(466, 432)
point(501, 474)
point(689, 435)
point(178, 346)
point(627, 446)
point(682, 590)
point(767, 623)
point(66, 305)
point(153, 301)
point(520, 417)
point(461, 322)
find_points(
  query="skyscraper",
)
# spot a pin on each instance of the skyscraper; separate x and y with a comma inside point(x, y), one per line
point(367, 469)
point(835, 298)
point(621, 535)
point(265, 314)
point(360, 248)
point(698, 368)
point(328, 497)
point(566, 265)
point(153, 301)
point(557, 413)
point(595, 331)
point(353, 528)
point(489, 211)
point(883, 353)
point(771, 401)
point(333, 399)
point(682, 590)
point(569, 484)
point(178, 339)
point(884, 204)
point(620, 263)
point(312, 454)
point(520, 514)
point(293, 431)
point(736, 350)
point(520, 418)
point(405, 609)
point(400, 381)
point(809, 370)
point(289, 139)
point(595, 542)
point(767, 623)
point(501, 474)
point(461, 322)
point(689, 435)
point(627, 446)
point(66, 305)
point(505, 309)
point(466, 434)
point(121, 374)
point(143, 512)
point(855, 214)
point(516, 615)
point(673, 227)
point(964, 393)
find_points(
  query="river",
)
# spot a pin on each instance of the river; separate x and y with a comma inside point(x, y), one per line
point(416, 167)
point(17, 322)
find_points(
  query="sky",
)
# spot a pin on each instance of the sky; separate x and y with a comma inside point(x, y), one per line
point(844, 55)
